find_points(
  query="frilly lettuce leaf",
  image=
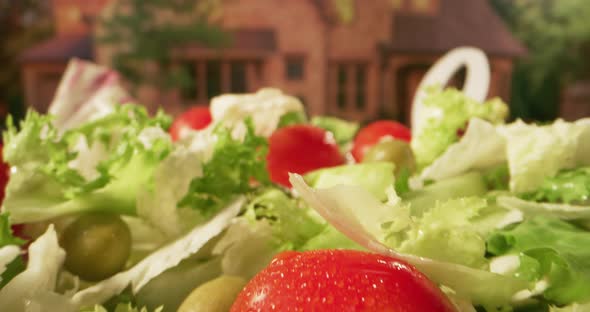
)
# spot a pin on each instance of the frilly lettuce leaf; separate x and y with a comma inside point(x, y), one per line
point(481, 147)
point(273, 222)
point(446, 233)
point(553, 249)
point(445, 112)
point(537, 152)
point(233, 166)
point(339, 205)
point(47, 184)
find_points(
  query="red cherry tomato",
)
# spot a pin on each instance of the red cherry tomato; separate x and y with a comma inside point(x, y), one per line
point(195, 118)
point(300, 149)
point(371, 134)
point(340, 280)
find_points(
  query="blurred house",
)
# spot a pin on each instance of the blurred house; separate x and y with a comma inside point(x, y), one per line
point(362, 68)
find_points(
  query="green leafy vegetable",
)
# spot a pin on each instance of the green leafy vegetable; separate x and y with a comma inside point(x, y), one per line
point(57, 174)
point(552, 249)
point(6, 235)
point(343, 131)
point(375, 177)
point(272, 222)
point(366, 220)
point(497, 178)
point(445, 113)
point(292, 222)
point(229, 172)
point(537, 152)
point(568, 186)
point(465, 185)
point(7, 238)
point(445, 233)
point(292, 118)
point(481, 147)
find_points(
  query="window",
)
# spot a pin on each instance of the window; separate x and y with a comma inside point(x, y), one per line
point(341, 92)
point(187, 73)
point(350, 86)
point(213, 74)
point(361, 86)
point(238, 77)
point(294, 67)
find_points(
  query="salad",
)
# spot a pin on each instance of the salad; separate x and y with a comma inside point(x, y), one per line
point(251, 205)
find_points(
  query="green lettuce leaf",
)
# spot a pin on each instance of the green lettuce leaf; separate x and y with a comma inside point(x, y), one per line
point(342, 130)
point(464, 185)
point(361, 217)
point(445, 233)
point(481, 147)
point(229, 172)
point(292, 118)
point(568, 186)
point(375, 177)
point(576, 307)
point(272, 222)
point(6, 235)
point(537, 152)
point(57, 174)
point(552, 249)
point(531, 208)
point(10, 262)
point(445, 112)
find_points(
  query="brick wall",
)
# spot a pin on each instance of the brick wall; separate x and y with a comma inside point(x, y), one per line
point(299, 30)
point(76, 16)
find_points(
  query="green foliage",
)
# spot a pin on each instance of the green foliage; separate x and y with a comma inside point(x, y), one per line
point(557, 36)
point(231, 171)
point(140, 33)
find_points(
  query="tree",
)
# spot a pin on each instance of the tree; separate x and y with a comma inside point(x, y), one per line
point(147, 31)
point(557, 36)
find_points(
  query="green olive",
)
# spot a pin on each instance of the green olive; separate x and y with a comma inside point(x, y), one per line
point(97, 246)
point(395, 151)
point(217, 295)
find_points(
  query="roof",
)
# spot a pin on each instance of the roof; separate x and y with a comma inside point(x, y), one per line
point(60, 49)
point(250, 41)
point(458, 23)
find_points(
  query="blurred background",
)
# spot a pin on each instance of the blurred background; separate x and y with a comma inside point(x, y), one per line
point(355, 59)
